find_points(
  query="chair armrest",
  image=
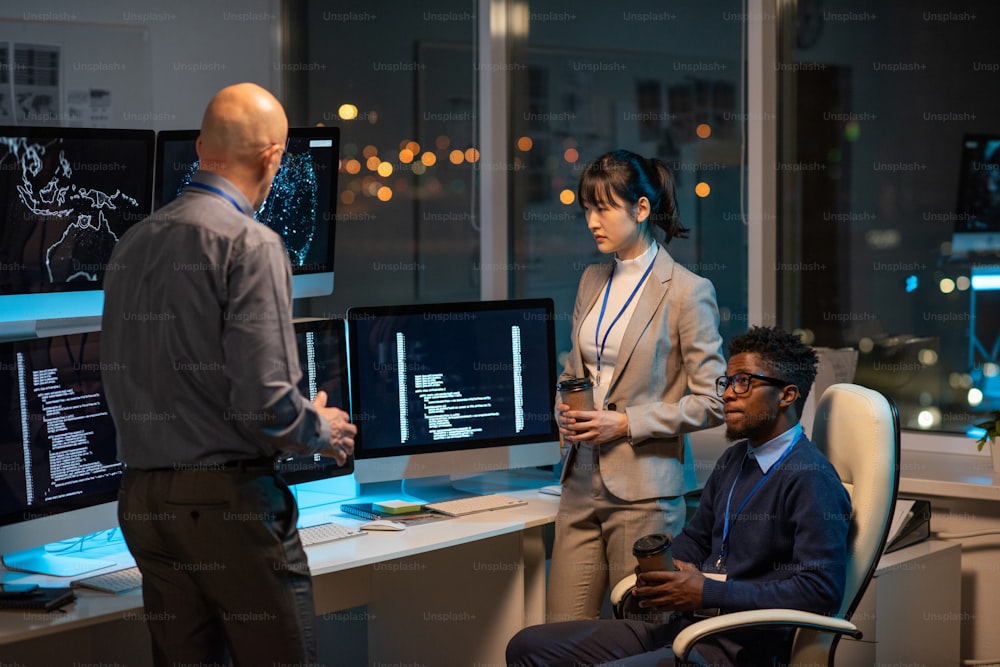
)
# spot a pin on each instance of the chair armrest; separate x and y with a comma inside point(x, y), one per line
point(621, 588)
point(692, 634)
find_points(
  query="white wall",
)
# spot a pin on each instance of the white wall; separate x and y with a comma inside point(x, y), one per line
point(195, 47)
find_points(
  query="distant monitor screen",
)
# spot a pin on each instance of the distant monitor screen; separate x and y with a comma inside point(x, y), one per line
point(302, 204)
point(57, 438)
point(441, 377)
point(977, 224)
point(322, 349)
point(66, 196)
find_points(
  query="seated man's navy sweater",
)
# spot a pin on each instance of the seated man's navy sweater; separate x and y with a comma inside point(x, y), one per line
point(787, 546)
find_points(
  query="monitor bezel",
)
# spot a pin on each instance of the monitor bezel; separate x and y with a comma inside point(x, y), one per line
point(357, 314)
point(330, 469)
point(314, 132)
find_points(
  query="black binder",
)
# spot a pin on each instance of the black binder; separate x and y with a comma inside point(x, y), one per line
point(40, 599)
point(917, 527)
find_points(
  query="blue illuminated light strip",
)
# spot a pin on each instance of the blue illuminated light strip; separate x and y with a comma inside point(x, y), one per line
point(986, 282)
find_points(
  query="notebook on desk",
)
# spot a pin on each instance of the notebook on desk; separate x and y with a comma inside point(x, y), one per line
point(369, 512)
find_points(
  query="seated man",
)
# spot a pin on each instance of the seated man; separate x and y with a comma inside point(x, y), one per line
point(770, 531)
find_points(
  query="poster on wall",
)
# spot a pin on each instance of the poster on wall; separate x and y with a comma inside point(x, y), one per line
point(75, 74)
point(88, 108)
point(6, 102)
point(35, 74)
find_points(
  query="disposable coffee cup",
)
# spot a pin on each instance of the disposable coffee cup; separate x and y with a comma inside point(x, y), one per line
point(653, 552)
point(577, 393)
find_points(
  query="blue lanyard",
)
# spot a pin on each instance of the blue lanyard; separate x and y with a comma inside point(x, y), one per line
point(604, 305)
point(215, 190)
point(729, 500)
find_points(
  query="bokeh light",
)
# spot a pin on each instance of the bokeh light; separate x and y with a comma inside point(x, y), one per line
point(347, 112)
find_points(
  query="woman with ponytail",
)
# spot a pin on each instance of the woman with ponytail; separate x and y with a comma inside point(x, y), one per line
point(646, 333)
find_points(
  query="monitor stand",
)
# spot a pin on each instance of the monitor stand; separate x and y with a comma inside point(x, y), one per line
point(39, 561)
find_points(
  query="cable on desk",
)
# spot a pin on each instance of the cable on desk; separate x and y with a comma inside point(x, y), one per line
point(962, 536)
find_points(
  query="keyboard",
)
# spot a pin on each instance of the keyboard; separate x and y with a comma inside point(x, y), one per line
point(327, 532)
point(475, 504)
point(112, 582)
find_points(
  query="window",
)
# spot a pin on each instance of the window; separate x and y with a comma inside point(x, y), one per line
point(399, 78)
point(660, 80)
point(887, 243)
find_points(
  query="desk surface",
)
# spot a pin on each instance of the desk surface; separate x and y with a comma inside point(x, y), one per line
point(92, 607)
point(922, 473)
point(381, 546)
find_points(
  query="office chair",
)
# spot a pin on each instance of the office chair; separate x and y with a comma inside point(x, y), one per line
point(858, 431)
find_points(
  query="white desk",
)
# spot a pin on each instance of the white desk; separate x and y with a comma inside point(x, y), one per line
point(911, 612)
point(455, 589)
point(963, 490)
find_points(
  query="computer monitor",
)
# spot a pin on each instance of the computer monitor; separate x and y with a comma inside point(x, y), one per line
point(66, 197)
point(322, 346)
point(302, 205)
point(59, 473)
point(977, 222)
point(452, 389)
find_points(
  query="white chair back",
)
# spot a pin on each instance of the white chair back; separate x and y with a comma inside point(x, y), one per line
point(858, 430)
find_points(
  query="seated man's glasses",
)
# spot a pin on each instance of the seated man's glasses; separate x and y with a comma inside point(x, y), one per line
point(740, 382)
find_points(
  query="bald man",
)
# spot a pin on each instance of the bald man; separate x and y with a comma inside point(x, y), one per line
point(200, 370)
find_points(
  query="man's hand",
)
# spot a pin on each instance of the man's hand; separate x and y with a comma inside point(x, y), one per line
point(342, 431)
point(670, 591)
point(590, 426)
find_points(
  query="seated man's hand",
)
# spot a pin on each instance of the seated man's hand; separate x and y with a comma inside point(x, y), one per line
point(670, 591)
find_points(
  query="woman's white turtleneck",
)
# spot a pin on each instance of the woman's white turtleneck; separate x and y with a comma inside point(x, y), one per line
point(628, 273)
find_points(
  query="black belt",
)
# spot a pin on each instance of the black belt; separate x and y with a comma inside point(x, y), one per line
point(250, 464)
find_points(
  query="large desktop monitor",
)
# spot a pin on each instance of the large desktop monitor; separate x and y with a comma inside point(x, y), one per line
point(452, 389)
point(59, 473)
point(322, 346)
point(66, 197)
point(977, 222)
point(301, 207)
